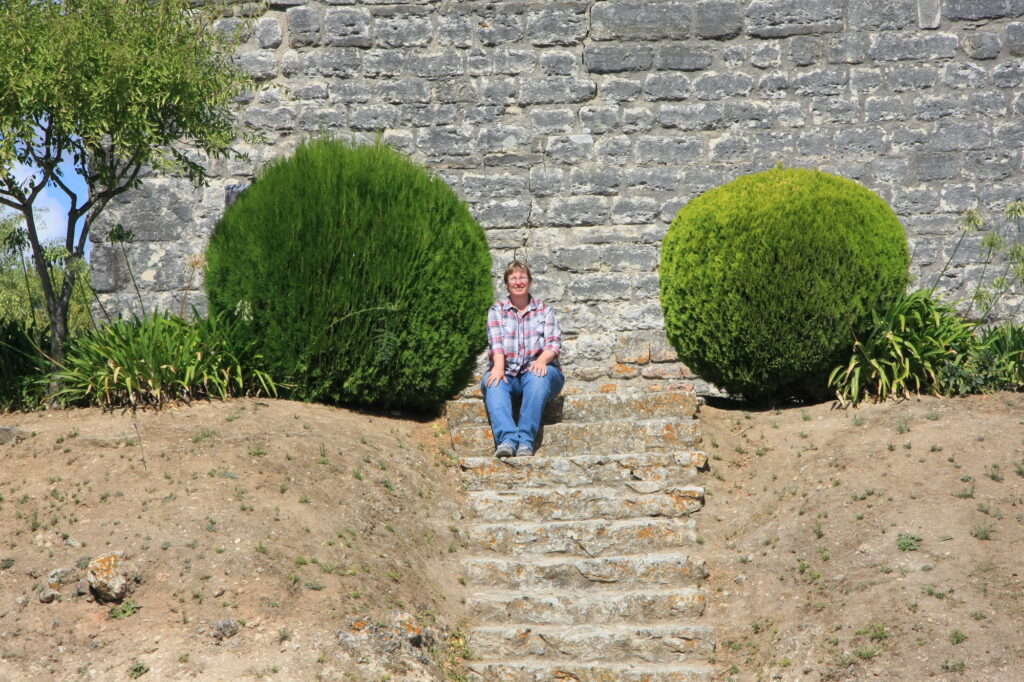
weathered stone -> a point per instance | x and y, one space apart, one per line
556 90
899 47
557 24
48 595
983 45
847 49
108 576
593 672
621 572
402 31
977 9
618 20
567 608
717 19
303 26
681 57
225 629
268 33
347 28
482 473
1014 40
717 86
882 15
10 434
602 58
804 50
782 18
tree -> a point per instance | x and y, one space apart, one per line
111 87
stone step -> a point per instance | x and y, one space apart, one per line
639 498
593 438
587 643
560 573
572 671
492 473
584 538
587 606
589 407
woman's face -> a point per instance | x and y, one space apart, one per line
518 283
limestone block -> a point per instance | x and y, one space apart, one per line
347 28
640 20
717 19
979 9
881 15
1014 39
671 150
898 47
402 30
553 121
716 86
268 32
985 45
783 18
605 58
497 29
557 24
847 49
681 57
667 86
303 26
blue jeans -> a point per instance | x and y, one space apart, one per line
534 391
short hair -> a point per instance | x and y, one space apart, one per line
517 266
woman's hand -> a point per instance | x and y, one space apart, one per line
497 372
539 368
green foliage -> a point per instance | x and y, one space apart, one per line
994 362
143 362
21 365
764 279
367 277
108 86
912 347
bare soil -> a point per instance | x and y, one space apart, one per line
878 542
881 542
329 536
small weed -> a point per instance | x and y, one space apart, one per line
761 625
857 420
316 587
935 447
966 493
983 531
123 610
284 634
137 670
994 473
932 416
953 666
865 653
890 446
818 532
876 632
805 416
978 615
202 435
1019 468
902 426
906 542
304 499
357 474
957 637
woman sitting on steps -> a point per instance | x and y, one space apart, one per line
524 341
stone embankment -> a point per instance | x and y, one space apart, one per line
582 563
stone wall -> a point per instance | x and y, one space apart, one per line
576 131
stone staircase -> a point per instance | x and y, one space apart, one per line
581 564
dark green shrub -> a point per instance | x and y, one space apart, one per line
918 345
22 366
765 281
149 361
366 277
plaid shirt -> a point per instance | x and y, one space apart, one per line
522 337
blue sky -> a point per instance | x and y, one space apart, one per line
52 204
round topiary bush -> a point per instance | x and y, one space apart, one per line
367 280
766 280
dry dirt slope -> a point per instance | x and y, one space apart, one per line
883 542
330 537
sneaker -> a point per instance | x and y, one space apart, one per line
524 450
504 450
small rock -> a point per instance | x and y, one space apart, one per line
82 588
71 542
108 576
218 592
47 596
61 576
740 579
9 434
225 629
